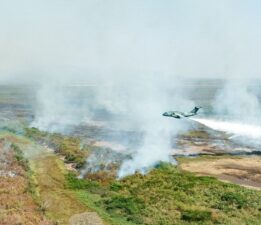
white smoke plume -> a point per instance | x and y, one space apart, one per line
237 112
237 100
231 127
147 112
58 107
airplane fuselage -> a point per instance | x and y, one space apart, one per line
179 115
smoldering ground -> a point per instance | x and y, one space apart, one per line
130 112
133 106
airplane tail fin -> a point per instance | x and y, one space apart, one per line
195 110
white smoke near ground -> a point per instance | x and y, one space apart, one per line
142 105
146 113
156 148
57 108
237 100
137 104
101 160
237 128
237 109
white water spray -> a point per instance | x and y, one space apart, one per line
235 128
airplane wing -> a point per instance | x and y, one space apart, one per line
180 114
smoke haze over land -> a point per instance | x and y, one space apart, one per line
135 56
79 40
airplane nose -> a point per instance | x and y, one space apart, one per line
164 114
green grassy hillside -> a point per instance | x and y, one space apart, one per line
169 196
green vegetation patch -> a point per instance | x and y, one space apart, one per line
196 215
74 183
69 147
128 205
19 156
234 200
167 195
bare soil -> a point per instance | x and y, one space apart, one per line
245 171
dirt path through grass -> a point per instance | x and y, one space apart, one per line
56 201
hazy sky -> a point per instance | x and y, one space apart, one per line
185 38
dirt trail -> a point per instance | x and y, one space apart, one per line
58 202
245 171
87 218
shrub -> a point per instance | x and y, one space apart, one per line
70 147
116 186
195 215
234 198
74 183
128 205
19 156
